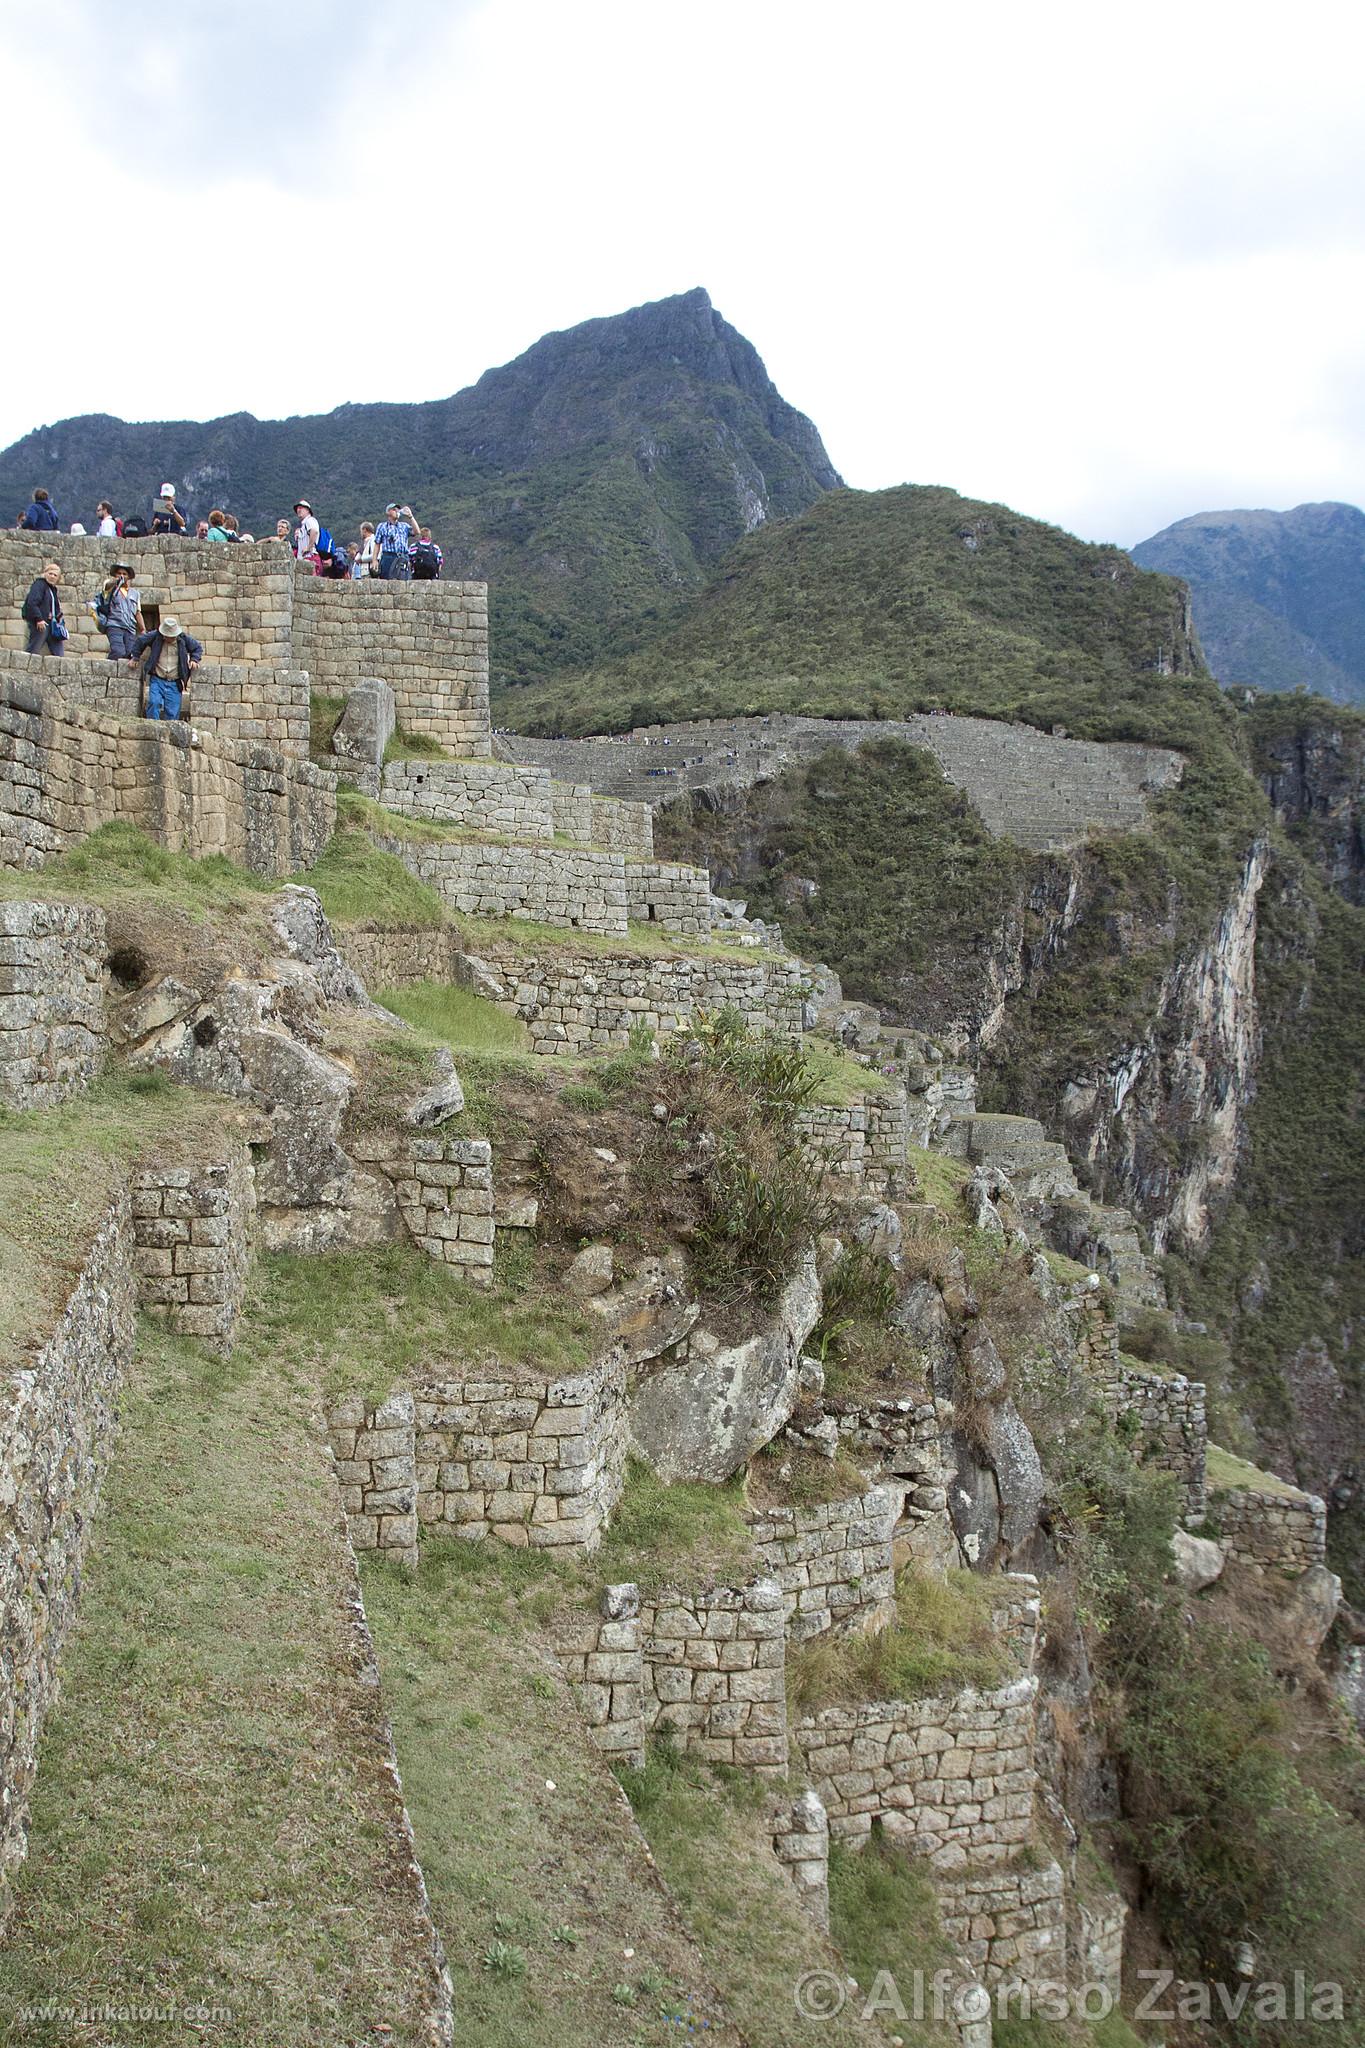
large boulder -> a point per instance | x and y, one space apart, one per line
710 1405
1199 1561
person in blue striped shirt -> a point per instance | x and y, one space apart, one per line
394 535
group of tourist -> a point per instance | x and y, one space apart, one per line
164 655
398 549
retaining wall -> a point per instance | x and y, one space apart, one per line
601 1657
1169 1419
229 700
952 1779
480 796
832 1562
376 1471
1009 1922
429 641
665 893
444 1190
65 770
192 1232
52 1015
393 958
581 1003
714 1666
863 1142
543 884
622 827
57 1414
534 1462
1285 1532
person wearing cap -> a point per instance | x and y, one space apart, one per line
306 538
124 612
166 515
394 536
43 613
167 658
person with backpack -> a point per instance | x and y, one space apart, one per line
394 536
118 612
427 559
334 559
217 526
41 516
42 610
167 516
166 658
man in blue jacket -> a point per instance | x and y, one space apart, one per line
41 516
167 658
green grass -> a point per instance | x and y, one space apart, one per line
368 1320
884 1916
1227 1474
323 713
359 884
840 1079
709 1834
639 941
211 1823
538 1884
118 863
59 1170
941 1178
941 1641
413 746
456 1017
681 1534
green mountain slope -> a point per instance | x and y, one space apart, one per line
879 602
1279 597
597 476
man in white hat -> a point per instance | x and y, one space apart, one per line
166 515
308 532
167 658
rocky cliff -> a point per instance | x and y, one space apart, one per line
1310 760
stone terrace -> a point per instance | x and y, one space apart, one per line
1043 791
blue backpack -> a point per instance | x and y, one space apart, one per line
324 546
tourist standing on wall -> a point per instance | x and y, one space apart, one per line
427 559
43 613
41 516
394 536
306 539
123 610
106 526
366 561
168 658
167 516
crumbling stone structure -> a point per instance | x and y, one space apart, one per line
376 1469
714 1668
52 1014
1168 1418
832 1561
1282 1530
1009 1921
444 1190
192 1237
600 1655
585 1003
57 1417
801 1846
864 1142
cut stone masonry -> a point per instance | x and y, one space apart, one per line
192 1233
52 1013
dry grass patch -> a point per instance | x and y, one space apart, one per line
942 1640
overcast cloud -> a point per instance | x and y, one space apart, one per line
1106 265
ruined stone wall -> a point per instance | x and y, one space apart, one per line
676 898
832 1561
537 1462
715 1673
864 1142
57 1416
229 700
52 1018
582 1003
572 810
65 770
237 600
553 885
1285 1532
1009 1921
377 1472
192 1237
478 796
444 1190
601 1657
429 641
801 1846
622 827
951 1779
1168 1420
393 958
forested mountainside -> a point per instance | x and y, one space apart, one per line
594 478
1279 597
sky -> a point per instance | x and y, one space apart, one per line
1105 265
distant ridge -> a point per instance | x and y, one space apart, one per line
1279 597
